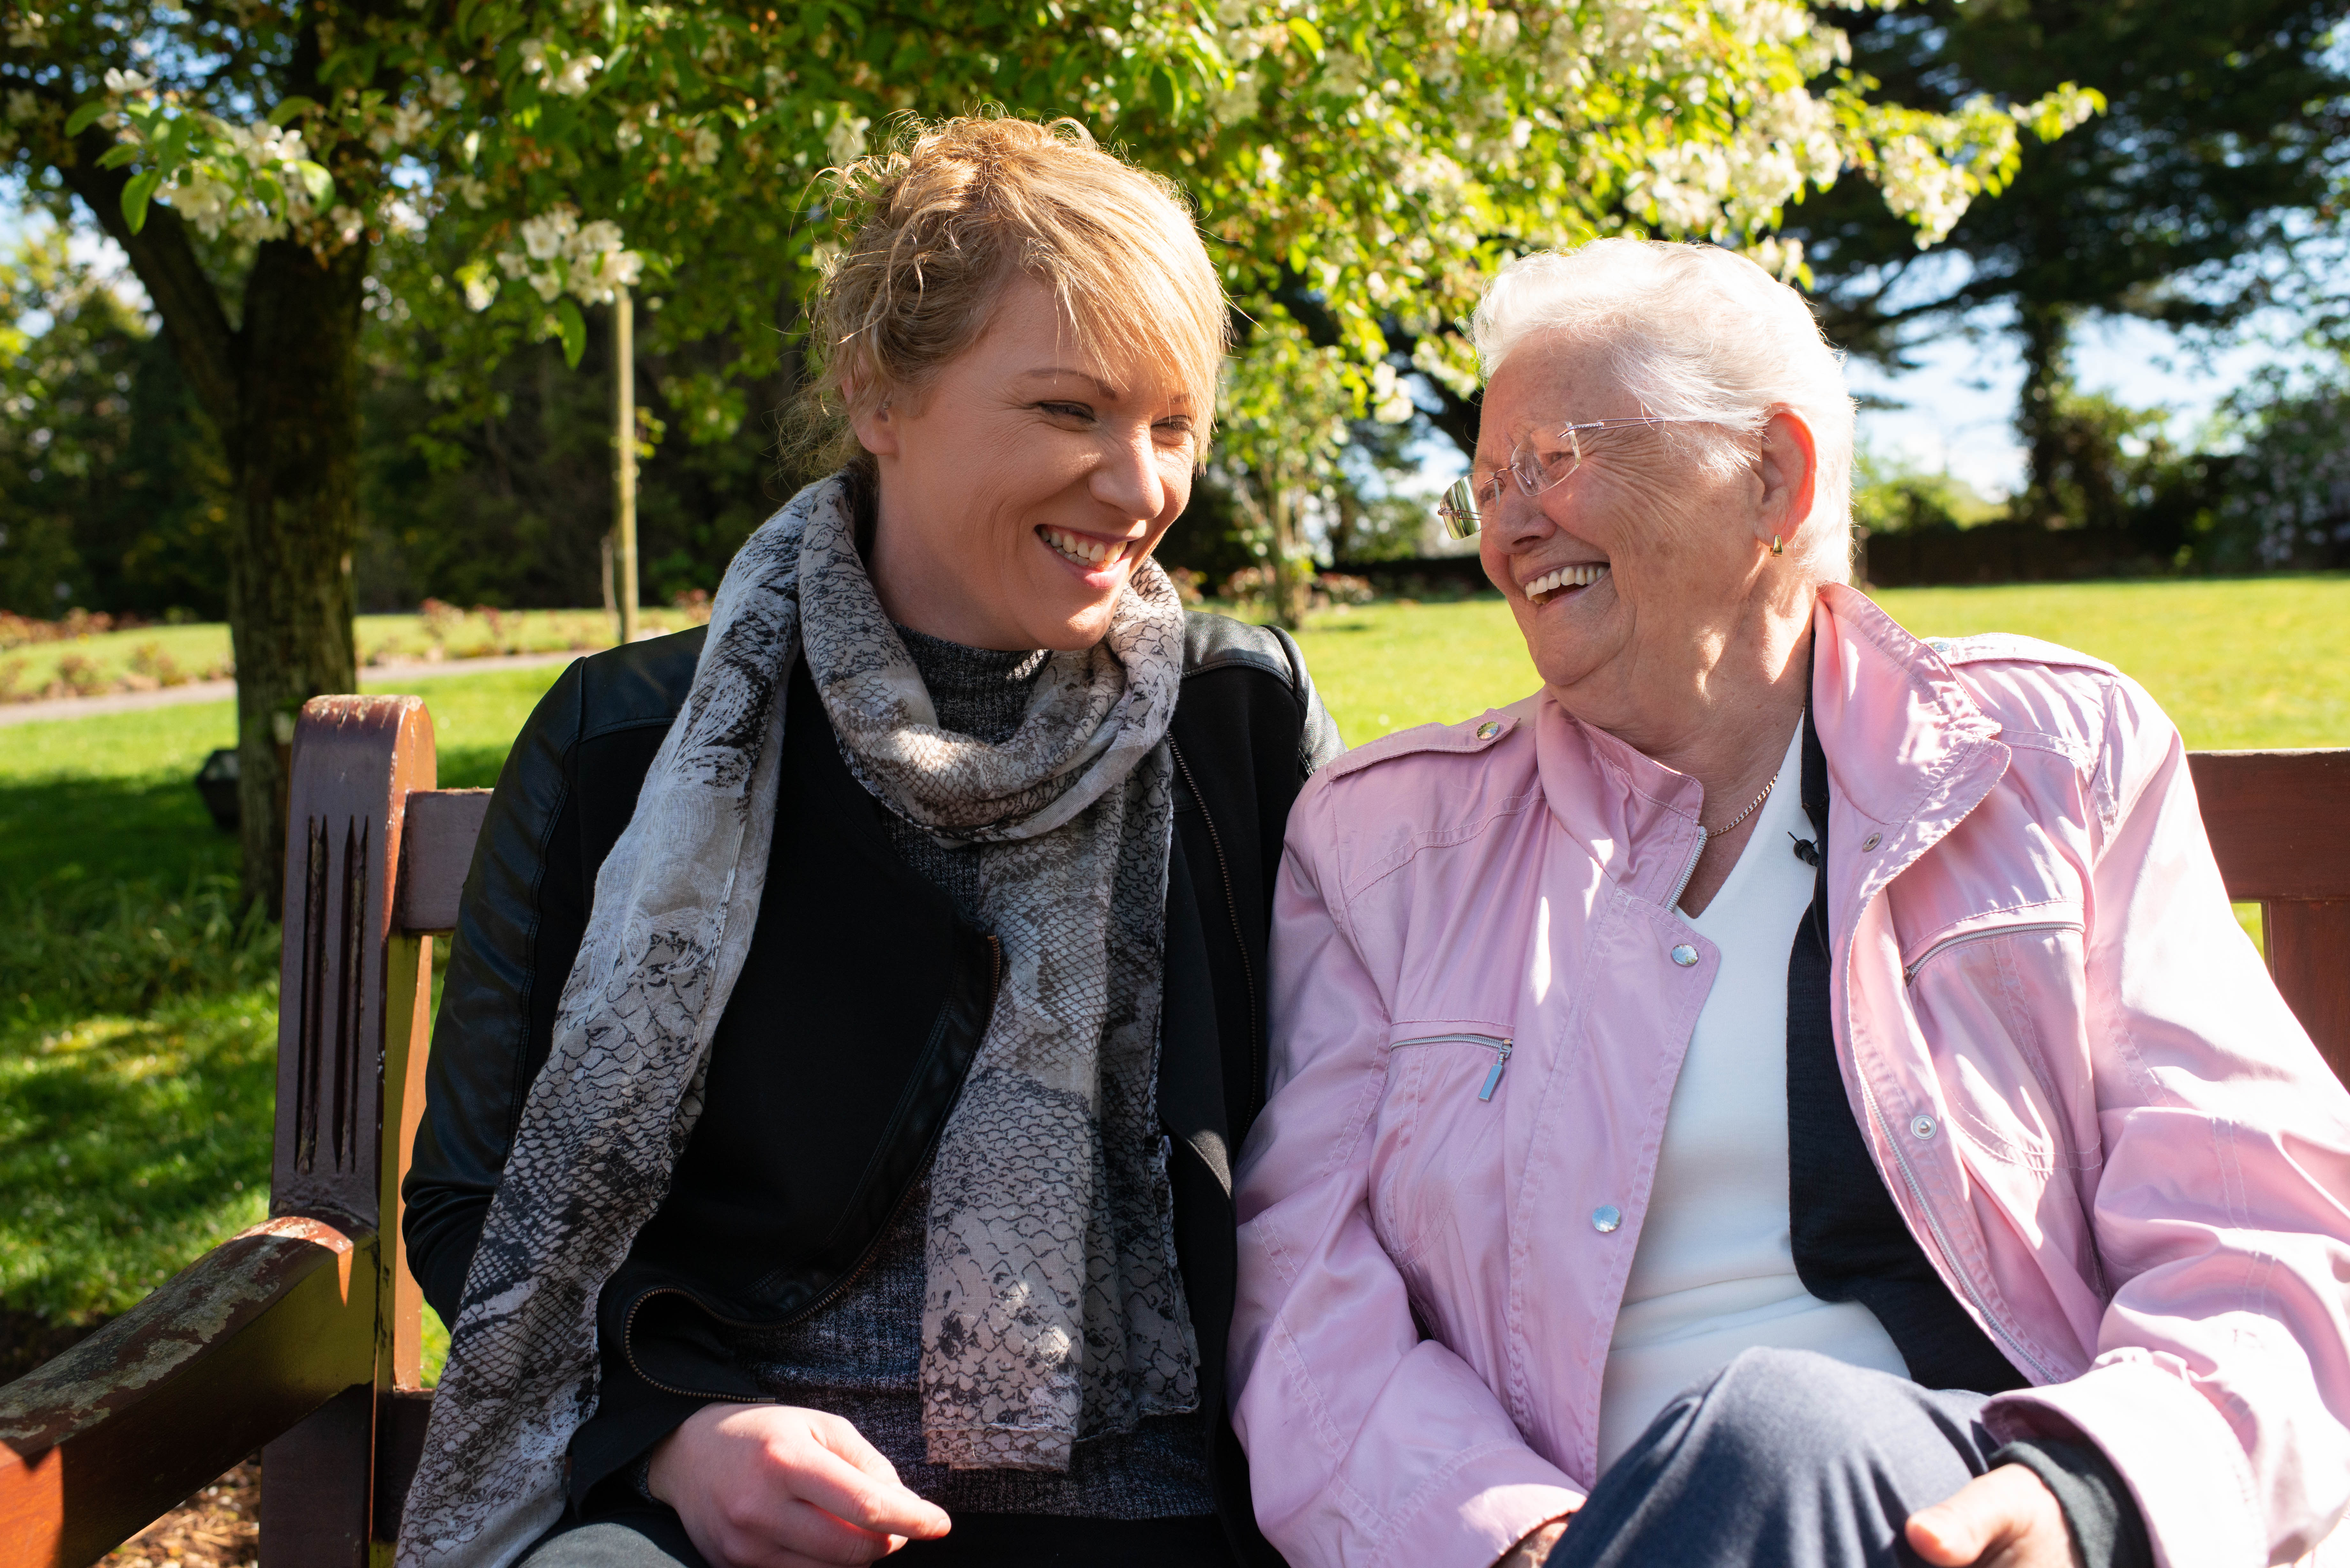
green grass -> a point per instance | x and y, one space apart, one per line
172 655
137 1006
137 1002
2258 663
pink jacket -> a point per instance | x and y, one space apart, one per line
2100 1120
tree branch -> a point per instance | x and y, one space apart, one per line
160 255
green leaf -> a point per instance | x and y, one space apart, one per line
83 118
574 328
135 196
289 108
1308 33
315 180
1166 92
116 156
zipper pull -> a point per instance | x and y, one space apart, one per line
1493 1079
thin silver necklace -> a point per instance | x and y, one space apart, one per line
1712 833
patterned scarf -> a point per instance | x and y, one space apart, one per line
1054 1309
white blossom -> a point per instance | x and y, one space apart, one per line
572 80
844 143
544 236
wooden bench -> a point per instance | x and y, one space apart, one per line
299 1336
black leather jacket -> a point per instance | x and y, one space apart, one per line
804 1149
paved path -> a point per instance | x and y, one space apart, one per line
223 690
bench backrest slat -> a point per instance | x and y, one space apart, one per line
435 855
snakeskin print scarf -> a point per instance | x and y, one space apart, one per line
1054 1309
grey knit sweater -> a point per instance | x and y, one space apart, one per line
861 1358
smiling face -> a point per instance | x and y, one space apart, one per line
1632 580
1021 486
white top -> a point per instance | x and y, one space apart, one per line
1715 1269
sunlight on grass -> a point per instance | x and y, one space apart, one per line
2255 663
130 1146
175 655
1387 667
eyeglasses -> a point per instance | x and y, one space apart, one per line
1536 464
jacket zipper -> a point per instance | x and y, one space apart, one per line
1232 909
839 1288
1687 871
1501 1045
1910 971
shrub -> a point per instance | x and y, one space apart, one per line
83 676
150 660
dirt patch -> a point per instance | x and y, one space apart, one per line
220 1527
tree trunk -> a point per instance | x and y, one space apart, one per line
1293 570
294 466
2039 415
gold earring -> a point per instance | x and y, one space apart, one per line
1776 547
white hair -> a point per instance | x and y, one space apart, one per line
1696 331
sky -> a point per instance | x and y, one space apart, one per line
1959 410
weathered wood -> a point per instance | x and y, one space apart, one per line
317 1486
245 1341
2279 822
2309 954
353 993
400 1419
436 853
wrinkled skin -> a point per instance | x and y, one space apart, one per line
1694 649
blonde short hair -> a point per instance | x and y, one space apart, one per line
943 221
1700 332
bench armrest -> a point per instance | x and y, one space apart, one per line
231 1352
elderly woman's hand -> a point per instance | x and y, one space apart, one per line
2006 1519
775 1486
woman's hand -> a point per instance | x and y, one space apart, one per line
1535 1549
2007 1519
775 1486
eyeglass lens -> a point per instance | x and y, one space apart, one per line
1541 463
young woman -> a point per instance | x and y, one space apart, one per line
852 1007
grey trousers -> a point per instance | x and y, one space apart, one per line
652 1537
1782 1459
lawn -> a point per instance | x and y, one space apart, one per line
152 655
137 1008
2264 662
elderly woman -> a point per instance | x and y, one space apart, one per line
852 1007
1786 1093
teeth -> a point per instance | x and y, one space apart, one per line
1080 549
1566 578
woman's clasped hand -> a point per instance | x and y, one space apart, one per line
774 1486
2005 1519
